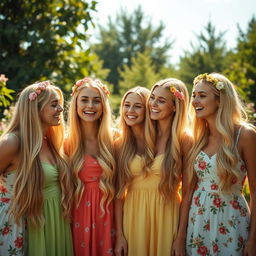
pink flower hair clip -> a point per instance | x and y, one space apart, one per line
78 84
40 87
177 93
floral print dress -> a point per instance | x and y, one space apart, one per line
218 222
12 237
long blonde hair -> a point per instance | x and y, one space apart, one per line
171 169
28 187
76 147
230 115
127 143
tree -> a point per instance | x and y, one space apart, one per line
140 73
242 62
44 39
124 37
207 56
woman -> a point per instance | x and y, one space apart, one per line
217 219
130 151
90 148
168 143
31 159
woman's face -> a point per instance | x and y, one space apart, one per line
205 102
50 114
133 109
89 104
161 104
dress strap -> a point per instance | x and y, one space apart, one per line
238 134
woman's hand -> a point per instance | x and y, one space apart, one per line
121 246
178 247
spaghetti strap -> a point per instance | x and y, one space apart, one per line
238 134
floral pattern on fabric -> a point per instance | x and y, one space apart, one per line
218 222
93 233
12 237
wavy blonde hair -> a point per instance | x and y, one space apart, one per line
76 148
230 115
127 143
171 169
28 196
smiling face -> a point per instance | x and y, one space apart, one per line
161 104
205 102
133 109
50 114
89 104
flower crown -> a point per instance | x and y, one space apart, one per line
85 81
40 87
178 94
210 79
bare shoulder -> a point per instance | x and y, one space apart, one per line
248 135
9 151
9 143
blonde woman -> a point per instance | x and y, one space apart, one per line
218 220
130 152
32 163
91 152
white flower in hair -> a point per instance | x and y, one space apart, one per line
220 86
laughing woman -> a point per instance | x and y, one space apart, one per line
33 167
167 145
90 148
130 176
218 220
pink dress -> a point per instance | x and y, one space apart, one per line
92 232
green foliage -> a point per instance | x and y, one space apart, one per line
45 39
124 37
206 57
140 73
5 93
242 63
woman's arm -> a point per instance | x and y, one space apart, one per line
248 148
178 248
9 150
121 244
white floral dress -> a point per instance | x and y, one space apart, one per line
218 222
12 237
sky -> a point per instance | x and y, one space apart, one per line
184 19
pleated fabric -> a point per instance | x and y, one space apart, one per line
54 237
149 222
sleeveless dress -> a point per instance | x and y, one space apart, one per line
13 238
149 223
92 232
218 222
54 237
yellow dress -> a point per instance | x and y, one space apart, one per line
149 223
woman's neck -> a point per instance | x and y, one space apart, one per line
164 127
90 130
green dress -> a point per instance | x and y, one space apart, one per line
54 237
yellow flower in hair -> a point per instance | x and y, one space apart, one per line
210 79
173 89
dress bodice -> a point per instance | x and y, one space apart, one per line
208 180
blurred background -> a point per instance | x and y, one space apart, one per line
125 43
